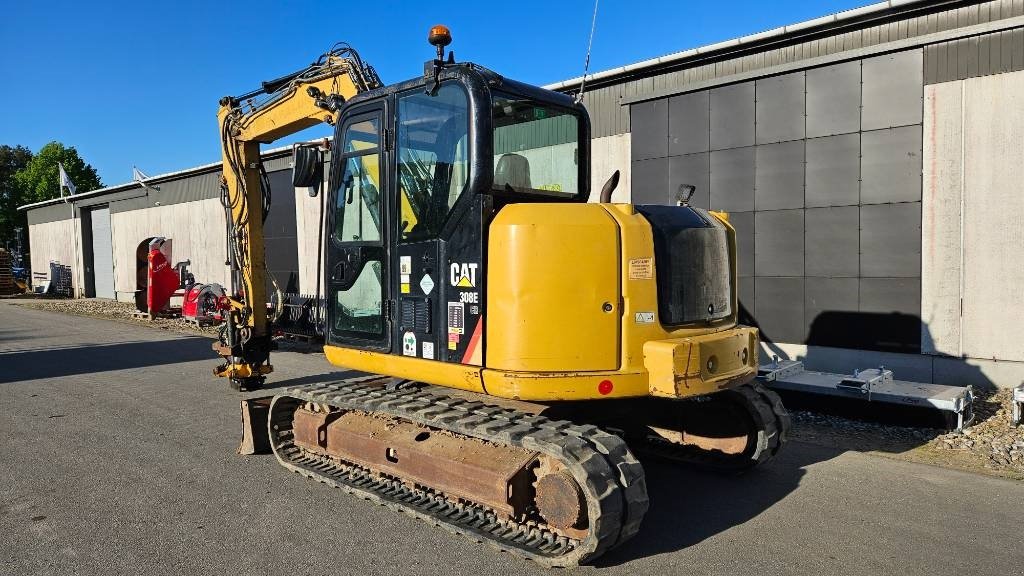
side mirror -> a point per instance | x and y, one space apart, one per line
307 167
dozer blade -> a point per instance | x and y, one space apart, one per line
254 426
730 431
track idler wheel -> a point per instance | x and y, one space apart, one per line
559 499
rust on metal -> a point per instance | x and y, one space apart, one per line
724 444
559 500
255 438
496 476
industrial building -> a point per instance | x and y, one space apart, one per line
869 161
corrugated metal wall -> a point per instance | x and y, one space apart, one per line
964 58
609 117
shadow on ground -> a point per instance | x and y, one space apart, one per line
41 363
690 506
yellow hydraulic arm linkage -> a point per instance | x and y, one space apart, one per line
279 108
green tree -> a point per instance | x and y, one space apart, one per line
40 179
12 159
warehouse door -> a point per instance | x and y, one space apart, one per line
102 265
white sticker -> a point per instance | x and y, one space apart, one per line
456 317
428 350
405 265
641 268
409 344
426 284
645 317
463 275
405 278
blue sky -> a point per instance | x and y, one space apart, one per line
138 82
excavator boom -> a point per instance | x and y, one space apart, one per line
279 108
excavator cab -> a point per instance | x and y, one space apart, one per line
418 171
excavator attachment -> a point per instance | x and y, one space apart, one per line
255 438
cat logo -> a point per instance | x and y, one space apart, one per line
463 275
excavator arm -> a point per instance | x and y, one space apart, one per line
279 108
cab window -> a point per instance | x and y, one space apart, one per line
433 158
536 147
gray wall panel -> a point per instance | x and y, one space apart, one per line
780 108
833 170
743 222
649 129
650 181
747 297
892 90
779 176
732 116
833 99
832 241
780 308
688 123
732 180
886 295
891 165
822 295
691 169
779 243
45 214
890 240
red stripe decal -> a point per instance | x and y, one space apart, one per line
470 356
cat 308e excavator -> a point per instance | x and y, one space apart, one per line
519 343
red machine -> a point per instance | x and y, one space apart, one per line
200 304
158 282
163 280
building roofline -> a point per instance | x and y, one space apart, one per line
159 178
837 20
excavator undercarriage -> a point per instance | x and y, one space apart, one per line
541 481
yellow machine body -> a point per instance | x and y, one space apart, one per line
572 314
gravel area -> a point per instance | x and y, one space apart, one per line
991 445
113 310
992 437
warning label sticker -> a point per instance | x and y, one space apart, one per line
409 344
428 350
645 317
456 318
641 268
453 341
405 265
426 284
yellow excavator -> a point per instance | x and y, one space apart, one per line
519 343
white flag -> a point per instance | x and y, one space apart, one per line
65 182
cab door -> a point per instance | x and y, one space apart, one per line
357 255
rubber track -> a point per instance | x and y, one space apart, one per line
611 477
764 406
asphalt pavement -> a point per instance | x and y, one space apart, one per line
117 456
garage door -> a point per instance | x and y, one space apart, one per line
102 253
